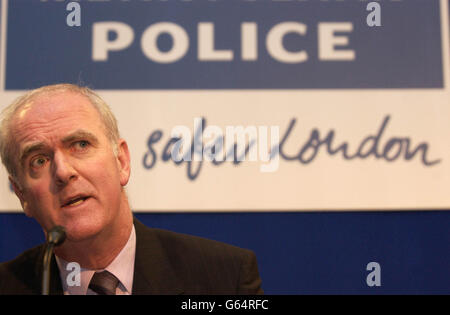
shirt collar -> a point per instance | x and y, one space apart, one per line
122 267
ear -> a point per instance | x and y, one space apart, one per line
18 190
123 160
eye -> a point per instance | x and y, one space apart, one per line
81 145
38 162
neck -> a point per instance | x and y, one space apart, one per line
100 250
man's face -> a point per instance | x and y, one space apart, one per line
67 171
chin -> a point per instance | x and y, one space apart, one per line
82 231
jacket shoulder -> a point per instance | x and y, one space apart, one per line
208 266
198 246
20 275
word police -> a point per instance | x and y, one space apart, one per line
333 43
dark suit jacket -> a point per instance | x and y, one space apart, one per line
165 263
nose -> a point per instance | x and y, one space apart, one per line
63 170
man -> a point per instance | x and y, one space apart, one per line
68 166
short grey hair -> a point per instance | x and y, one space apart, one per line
7 115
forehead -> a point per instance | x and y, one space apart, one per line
53 115
62 103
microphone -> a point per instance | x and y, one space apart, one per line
55 237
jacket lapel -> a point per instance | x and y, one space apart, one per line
152 271
55 279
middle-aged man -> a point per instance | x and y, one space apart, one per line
68 166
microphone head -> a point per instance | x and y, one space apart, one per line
56 236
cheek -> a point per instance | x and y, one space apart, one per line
37 194
39 204
106 177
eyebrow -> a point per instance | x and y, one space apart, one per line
29 149
76 135
80 134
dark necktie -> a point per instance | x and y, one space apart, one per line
104 283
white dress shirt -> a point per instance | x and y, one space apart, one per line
122 267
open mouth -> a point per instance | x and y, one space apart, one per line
75 201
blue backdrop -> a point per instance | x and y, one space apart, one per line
308 253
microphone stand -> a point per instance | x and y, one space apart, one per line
55 237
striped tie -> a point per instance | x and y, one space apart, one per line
104 283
